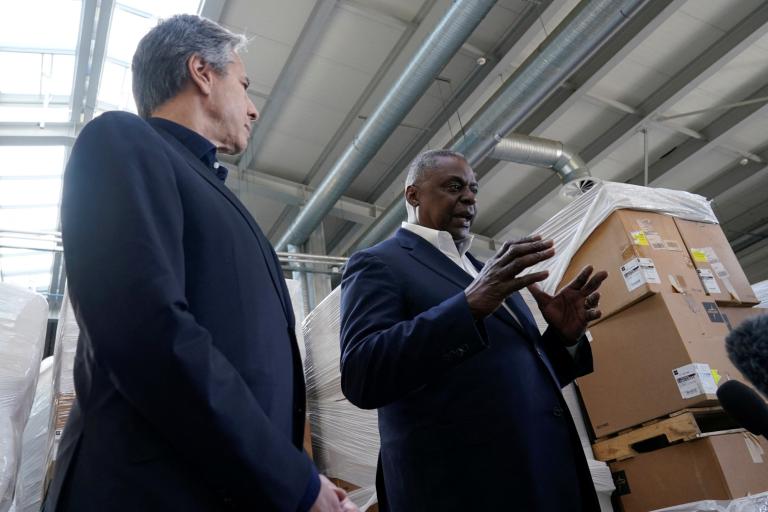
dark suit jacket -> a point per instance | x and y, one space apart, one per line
190 391
471 416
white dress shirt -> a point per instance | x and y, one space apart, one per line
457 253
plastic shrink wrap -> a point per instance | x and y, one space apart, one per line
63 380
761 290
571 226
29 484
755 503
345 439
23 320
601 474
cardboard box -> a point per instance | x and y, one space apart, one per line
720 467
719 270
734 315
643 254
663 354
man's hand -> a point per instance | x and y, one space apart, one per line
332 499
574 307
498 278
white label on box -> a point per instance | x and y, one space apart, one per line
694 379
639 271
649 271
720 270
633 275
708 280
655 240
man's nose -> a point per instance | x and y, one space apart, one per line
253 113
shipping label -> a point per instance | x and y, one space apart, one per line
638 238
694 379
639 271
708 280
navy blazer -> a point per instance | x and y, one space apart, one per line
471 416
190 391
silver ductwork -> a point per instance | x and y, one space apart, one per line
548 154
436 51
580 34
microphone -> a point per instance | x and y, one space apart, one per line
747 348
745 406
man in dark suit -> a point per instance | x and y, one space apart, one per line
471 416
190 390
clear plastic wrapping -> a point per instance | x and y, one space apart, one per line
572 225
63 398
29 484
761 290
754 503
23 320
345 439
601 474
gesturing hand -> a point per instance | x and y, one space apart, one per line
574 307
499 277
332 499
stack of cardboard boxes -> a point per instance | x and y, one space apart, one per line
674 291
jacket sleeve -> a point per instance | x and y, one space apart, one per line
122 224
385 354
568 365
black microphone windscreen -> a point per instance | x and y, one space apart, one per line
745 406
747 347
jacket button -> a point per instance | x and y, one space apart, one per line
557 411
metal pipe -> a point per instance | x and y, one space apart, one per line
581 33
436 51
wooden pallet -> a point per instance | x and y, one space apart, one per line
680 426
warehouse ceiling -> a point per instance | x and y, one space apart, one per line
688 80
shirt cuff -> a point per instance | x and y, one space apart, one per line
310 494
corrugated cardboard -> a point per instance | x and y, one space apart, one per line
720 467
636 351
722 276
615 246
733 316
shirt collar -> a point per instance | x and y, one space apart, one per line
442 240
198 145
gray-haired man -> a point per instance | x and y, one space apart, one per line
190 390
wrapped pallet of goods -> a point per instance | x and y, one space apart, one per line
674 291
345 439
29 484
64 350
23 320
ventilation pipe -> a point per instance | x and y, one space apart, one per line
549 154
576 38
436 51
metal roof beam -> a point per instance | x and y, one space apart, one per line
748 30
302 52
106 8
712 59
259 184
714 133
731 176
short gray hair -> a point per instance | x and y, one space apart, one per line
419 167
160 62
426 161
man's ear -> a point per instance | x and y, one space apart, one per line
412 195
201 73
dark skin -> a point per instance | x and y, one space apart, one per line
446 200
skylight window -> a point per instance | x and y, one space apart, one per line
131 20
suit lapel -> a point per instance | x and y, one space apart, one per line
436 261
267 252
